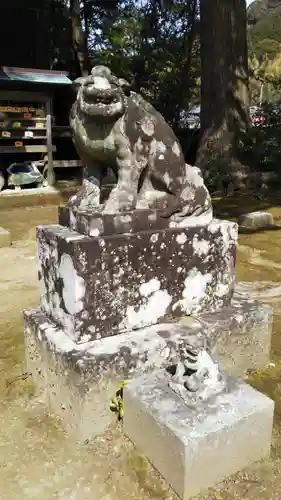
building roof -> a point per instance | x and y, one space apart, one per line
27 75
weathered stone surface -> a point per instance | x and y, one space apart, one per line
116 128
255 220
269 179
195 449
94 287
80 379
5 237
97 224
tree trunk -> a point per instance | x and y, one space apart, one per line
78 38
261 94
224 86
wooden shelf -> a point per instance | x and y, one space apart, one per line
67 164
38 148
16 116
3 129
19 137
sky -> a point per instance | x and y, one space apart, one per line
249 1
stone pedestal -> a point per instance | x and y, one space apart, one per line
195 449
111 299
98 286
80 379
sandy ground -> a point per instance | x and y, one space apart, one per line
37 460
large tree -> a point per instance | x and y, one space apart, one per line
224 85
35 34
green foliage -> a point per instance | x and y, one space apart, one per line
157 50
35 34
261 146
216 174
117 403
266 48
259 8
268 27
264 42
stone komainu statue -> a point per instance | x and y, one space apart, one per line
116 128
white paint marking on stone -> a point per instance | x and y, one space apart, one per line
154 238
200 247
125 218
160 146
181 239
74 237
101 83
222 289
167 179
85 338
149 287
195 285
176 149
151 312
147 127
72 220
73 285
57 338
200 220
95 232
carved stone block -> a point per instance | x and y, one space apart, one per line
195 449
97 224
80 379
99 286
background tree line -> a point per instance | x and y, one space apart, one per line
171 51
264 36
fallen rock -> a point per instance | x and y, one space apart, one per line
255 220
5 238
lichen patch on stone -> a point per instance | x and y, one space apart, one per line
181 238
149 313
73 286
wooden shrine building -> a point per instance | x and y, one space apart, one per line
34 107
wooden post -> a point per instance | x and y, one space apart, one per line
50 174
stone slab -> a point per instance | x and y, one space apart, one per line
5 238
196 449
97 224
98 286
254 221
9 198
80 379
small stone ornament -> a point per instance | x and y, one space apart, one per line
197 377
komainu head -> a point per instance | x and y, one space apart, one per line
101 95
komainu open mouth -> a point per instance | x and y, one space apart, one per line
101 102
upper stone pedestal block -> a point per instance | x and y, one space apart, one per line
97 224
99 286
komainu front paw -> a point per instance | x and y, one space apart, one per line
87 198
120 201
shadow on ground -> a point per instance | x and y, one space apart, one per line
231 207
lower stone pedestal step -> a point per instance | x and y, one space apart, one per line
195 449
80 379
